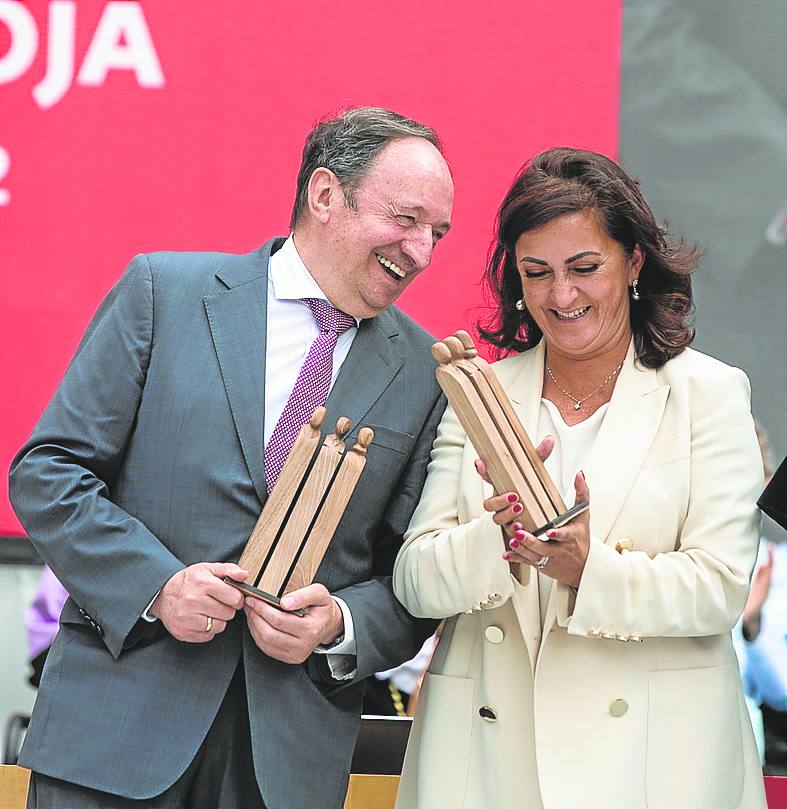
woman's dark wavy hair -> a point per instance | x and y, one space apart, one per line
565 181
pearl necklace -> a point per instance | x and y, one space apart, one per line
579 402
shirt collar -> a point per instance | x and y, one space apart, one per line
290 278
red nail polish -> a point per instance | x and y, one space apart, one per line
551 534
512 498
520 535
516 508
508 556
513 543
517 526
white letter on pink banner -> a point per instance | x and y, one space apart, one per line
24 40
60 54
121 22
5 164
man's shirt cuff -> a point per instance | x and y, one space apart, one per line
150 618
341 655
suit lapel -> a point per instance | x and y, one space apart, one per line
624 438
237 318
372 363
626 434
524 389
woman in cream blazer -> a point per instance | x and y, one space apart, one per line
623 693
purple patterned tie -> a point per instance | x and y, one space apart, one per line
311 387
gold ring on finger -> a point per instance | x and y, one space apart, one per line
209 624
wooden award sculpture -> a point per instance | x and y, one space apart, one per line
488 418
302 511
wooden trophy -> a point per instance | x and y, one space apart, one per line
302 511
488 418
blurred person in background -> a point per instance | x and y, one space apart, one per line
607 678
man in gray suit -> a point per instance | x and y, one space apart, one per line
146 473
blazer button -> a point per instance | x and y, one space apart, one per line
618 708
487 714
494 634
624 545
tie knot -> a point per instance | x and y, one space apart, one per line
328 317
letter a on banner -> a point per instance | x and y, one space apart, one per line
122 42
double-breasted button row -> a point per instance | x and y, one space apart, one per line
492 600
487 714
494 634
599 633
624 545
618 708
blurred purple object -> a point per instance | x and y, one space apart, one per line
43 615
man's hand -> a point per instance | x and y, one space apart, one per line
195 604
292 638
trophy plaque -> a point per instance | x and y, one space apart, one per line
304 508
487 416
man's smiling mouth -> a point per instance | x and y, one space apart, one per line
393 269
573 314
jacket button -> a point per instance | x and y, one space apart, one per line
618 708
487 714
625 544
494 634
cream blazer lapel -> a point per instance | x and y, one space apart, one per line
524 388
624 438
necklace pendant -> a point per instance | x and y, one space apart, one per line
577 405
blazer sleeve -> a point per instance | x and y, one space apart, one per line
445 566
60 481
700 588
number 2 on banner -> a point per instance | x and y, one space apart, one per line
5 164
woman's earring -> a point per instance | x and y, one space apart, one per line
635 296
520 305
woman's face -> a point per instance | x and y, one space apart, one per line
575 280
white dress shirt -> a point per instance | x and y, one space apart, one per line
291 329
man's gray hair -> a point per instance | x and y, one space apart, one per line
348 143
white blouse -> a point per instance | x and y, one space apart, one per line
572 449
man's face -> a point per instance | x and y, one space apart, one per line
403 206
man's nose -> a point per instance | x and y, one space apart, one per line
418 247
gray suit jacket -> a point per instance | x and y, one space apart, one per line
149 458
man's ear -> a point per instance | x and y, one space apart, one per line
324 193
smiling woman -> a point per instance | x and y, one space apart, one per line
618 628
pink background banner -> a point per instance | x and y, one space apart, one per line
128 127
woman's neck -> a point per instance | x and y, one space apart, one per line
579 385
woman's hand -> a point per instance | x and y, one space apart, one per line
566 549
506 508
